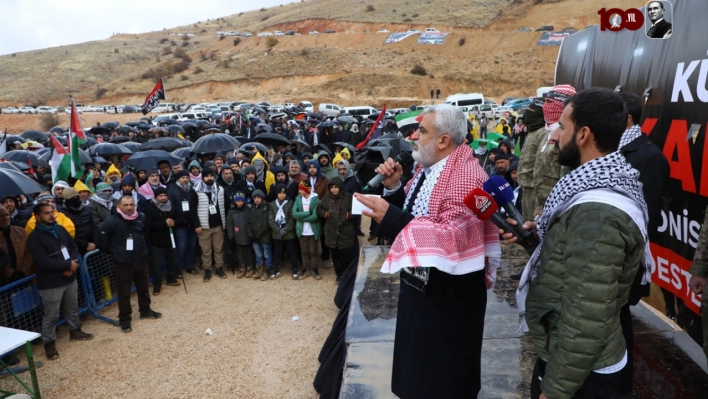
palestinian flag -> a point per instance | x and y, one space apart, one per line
76 138
152 99
61 161
408 123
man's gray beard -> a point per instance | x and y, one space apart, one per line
424 156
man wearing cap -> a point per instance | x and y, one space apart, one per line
185 236
57 260
547 170
84 191
57 192
80 215
250 184
208 213
501 164
60 217
166 174
160 222
101 203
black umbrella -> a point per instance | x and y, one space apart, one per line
266 127
314 115
132 146
99 130
168 122
84 157
189 125
57 129
183 153
273 139
12 166
62 140
243 139
258 110
301 145
255 120
126 129
148 159
11 140
258 146
42 151
109 149
146 118
347 119
348 146
90 141
201 122
325 124
323 147
111 125
119 139
175 129
144 126
131 124
14 183
24 156
34 135
164 143
214 143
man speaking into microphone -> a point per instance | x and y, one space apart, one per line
441 250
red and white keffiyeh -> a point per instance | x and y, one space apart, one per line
450 238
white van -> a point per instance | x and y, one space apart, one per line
465 100
307 106
359 111
330 109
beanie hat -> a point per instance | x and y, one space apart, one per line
207 172
44 197
501 155
152 171
239 196
70 192
553 107
159 190
102 186
181 173
280 188
305 186
258 193
249 169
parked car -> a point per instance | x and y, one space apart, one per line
261 34
330 109
289 33
516 104
506 100
10 110
545 28
383 31
27 110
313 32
131 109
431 30
499 111
329 31
278 33
307 106
67 110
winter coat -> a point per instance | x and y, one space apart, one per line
159 231
321 186
21 218
338 229
86 230
114 233
248 190
99 213
48 258
302 216
177 196
288 227
237 225
258 223
199 209
18 236
62 219
589 258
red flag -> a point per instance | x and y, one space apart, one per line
152 99
76 123
31 169
378 127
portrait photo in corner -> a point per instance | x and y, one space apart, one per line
659 15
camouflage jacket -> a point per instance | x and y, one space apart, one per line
527 162
546 172
699 268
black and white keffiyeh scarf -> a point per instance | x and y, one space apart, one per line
608 179
630 135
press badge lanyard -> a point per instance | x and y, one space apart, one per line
129 243
212 204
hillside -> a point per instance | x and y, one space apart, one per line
351 66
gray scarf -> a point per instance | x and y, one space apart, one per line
166 207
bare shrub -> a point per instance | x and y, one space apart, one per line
237 41
164 40
180 66
185 38
48 121
167 50
179 53
419 70
370 8
271 42
100 92
198 70
183 78
222 37
462 41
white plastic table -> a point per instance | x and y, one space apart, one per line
11 339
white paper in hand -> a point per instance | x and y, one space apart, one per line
358 207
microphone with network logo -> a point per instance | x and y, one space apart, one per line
404 158
485 208
501 191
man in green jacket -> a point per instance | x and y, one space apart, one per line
699 273
592 239
307 228
340 235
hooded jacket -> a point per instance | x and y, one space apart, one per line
229 187
336 211
113 169
139 199
320 185
249 189
258 222
197 178
328 171
62 219
262 172
351 183
288 227
237 226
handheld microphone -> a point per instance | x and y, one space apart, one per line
501 191
403 158
485 208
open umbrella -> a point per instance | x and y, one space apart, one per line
99 130
175 129
347 119
14 183
183 153
119 139
325 124
84 157
109 149
255 120
164 143
273 139
111 125
34 135
11 166
301 145
314 115
126 129
62 140
259 146
266 127
348 146
148 159
258 110
131 124
132 146
189 125
168 122
214 143
322 147
144 126
57 129
201 122
89 142
11 140
42 151
24 156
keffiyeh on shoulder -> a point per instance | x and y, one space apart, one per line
449 238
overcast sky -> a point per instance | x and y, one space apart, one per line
35 24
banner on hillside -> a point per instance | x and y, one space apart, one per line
552 38
669 75
152 99
432 38
396 37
